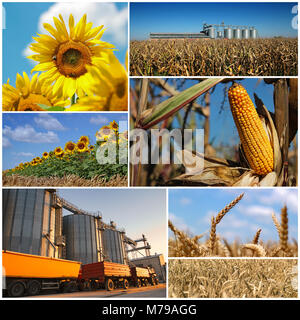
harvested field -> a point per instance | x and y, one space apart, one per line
235 278
67 181
259 57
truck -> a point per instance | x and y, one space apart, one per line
104 274
141 276
29 274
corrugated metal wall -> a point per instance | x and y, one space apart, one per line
80 233
27 215
113 245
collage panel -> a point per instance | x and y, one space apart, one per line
213 39
65 150
82 243
233 222
225 132
67 57
233 279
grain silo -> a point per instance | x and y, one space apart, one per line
31 224
228 33
237 34
245 33
90 240
253 33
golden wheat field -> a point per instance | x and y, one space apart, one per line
184 245
67 181
256 57
234 278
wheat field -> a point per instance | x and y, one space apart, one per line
67 181
184 245
232 278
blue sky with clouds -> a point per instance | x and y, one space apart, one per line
270 19
28 135
23 20
138 211
192 209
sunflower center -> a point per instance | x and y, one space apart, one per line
30 103
72 58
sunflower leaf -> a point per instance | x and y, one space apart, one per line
49 108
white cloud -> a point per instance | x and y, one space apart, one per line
28 134
45 121
99 119
282 196
180 224
185 201
107 14
24 154
5 142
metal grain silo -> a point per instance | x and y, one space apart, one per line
245 33
220 34
228 33
211 32
237 34
82 238
30 221
253 33
113 245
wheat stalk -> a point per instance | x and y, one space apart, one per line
222 213
258 249
256 237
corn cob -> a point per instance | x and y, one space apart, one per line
254 139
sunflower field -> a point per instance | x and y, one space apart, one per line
104 160
75 71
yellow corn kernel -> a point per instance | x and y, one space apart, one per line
254 139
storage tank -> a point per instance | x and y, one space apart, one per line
220 34
237 33
211 32
228 33
82 238
245 33
113 245
31 224
253 33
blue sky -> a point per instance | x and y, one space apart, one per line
28 135
24 20
138 211
192 209
270 19
222 125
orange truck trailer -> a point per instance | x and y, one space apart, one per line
29 274
104 274
143 276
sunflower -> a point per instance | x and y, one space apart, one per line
70 147
114 125
28 94
104 133
60 155
45 155
91 148
109 89
65 56
58 151
85 139
81 146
